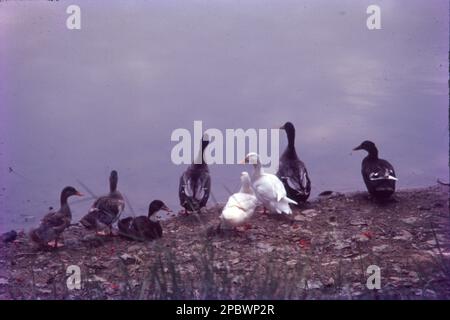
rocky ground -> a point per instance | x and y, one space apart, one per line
322 251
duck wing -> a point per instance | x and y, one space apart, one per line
378 170
295 175
108 209
52 225
56 220
194 188
145 229
269 188
243 201
124 226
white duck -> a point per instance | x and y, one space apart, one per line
268 188
240 206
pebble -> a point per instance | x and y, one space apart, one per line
404 235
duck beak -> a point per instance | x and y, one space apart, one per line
79 194
166 208
244 161
392 178
282 127
357 148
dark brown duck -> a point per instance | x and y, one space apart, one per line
143 228
55 222
378 174
292 171
107 209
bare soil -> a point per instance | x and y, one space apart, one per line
322 251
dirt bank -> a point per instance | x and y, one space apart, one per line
320 252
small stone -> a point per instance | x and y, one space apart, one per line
8 236
99 279
291 263
358 222
128 259
133 248
404 235
330 282
45 291
299 218
409 220
265 246
340 245
3 281
361 238
314 284
381 248
310 213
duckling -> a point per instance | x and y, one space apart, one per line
195 183
292 171
55 222
106 210
143 227
378 174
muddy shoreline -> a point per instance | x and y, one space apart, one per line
322 251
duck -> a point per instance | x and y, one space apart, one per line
195 183
240 206
268 188
105 210
54 223
378 174
143 228
292 171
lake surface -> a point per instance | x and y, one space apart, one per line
75 104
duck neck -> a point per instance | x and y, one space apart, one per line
291 143
152 215
63 200
112 185
246 188
64 204
200 158
373 153
258 169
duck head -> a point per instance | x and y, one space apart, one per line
155 206
368 146
251 158
68 192
288 127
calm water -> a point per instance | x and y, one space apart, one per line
76 104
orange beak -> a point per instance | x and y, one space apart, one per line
79 194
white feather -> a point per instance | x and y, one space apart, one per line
269 189
240 206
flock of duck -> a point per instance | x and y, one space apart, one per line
291 185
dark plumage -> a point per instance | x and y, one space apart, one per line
378 174
54 223
292 171
9 236
195 183
144 227
106 209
